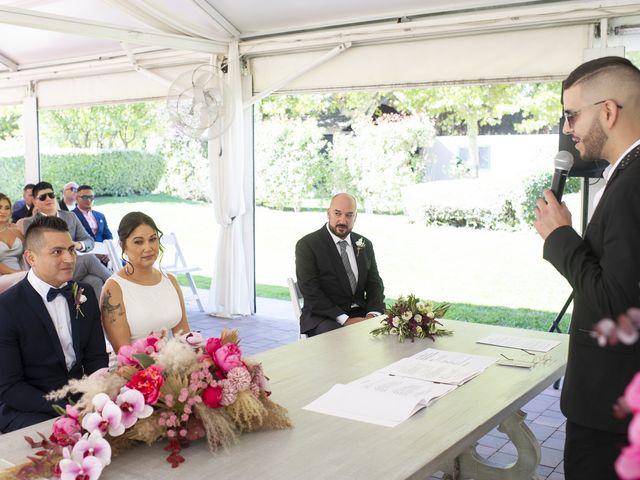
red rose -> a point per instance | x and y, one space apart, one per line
148 383
211 397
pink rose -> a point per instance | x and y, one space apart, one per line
228 357
148 383
125 356
65 431
211 397
212 345
632 393
628 463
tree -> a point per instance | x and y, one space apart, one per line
9 124
105 126
477 105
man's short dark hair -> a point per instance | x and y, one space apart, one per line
40 225
39 187
85 187
593 67
28 186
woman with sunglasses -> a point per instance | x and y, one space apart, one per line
140 299
11 247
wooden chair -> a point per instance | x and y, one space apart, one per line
296 298
179 264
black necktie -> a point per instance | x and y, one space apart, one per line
65 291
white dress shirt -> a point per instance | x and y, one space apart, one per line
608 173
58 309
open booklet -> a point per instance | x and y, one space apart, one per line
379 398
391 395
440 366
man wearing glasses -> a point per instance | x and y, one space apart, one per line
88 268
602 111
69 193
93 222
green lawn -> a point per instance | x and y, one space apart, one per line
503 316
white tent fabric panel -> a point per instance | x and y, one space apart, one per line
530 54
106 88
12 95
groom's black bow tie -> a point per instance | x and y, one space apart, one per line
65 291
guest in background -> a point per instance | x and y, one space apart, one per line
88 268
24 208
140 299
69 192
11 247
47 334
93 222
602 111
337 272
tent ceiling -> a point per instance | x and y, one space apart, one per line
53 40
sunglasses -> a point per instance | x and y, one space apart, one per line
87 197
43 196
73 189
570 116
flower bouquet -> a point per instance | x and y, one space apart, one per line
179 389
413 318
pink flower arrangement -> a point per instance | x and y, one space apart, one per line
161 388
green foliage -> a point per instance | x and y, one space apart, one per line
125 125
381 158
291 163
533 190
12 177
9 125
477 218
110 173
187 174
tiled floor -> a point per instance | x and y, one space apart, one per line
274 326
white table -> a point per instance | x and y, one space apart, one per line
441 436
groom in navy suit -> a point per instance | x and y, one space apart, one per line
337 272
50 328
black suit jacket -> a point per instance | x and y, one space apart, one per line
32 362
323 280
604 271
22 212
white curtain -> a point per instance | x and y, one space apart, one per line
229 294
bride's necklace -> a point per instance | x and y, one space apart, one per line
4 227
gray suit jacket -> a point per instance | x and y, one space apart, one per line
76 230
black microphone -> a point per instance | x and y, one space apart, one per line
562 163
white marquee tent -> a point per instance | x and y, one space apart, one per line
58 53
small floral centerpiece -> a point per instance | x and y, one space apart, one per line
411 317
178 389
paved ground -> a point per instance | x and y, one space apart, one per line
273 326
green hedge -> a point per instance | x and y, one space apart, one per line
117 173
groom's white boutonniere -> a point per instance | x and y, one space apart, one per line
360 244
78 298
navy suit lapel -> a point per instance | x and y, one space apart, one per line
36 305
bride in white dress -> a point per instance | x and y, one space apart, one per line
140 299
11 247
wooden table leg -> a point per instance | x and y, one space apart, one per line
470 465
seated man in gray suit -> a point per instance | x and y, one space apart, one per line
337 272
88 267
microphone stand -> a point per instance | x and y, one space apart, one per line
555 326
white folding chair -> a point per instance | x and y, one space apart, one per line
113 251
296 297
179 264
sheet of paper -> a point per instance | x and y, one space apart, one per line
379 399
358 403
522 343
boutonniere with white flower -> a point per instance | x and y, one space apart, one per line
78 298
360 244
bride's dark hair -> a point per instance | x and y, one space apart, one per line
129 223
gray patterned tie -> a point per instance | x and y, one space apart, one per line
347 265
